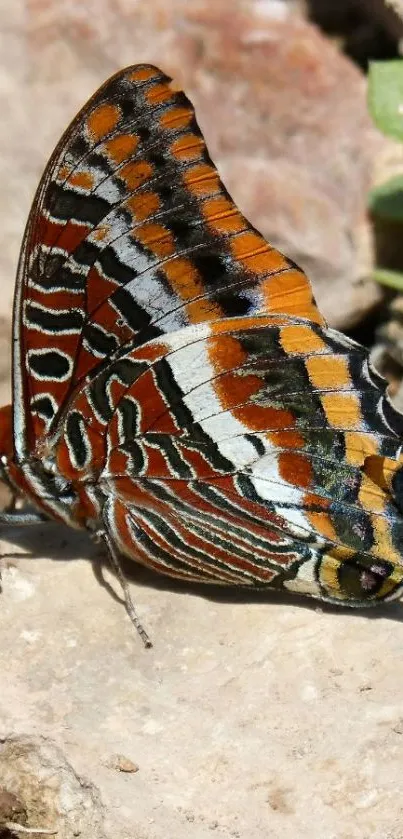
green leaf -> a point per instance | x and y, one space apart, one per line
386 200
391 279
385 96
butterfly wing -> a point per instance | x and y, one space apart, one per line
174 368
251 451
131 235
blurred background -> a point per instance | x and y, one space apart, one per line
280 93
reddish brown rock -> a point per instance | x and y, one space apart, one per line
283 112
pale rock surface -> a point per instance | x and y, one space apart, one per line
255 717
250 718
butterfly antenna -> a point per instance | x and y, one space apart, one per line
131 611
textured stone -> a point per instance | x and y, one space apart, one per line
42 791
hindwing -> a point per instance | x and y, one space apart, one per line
248 450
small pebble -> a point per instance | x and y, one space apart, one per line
122 764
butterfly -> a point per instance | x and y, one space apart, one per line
176 390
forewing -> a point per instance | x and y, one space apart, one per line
131 235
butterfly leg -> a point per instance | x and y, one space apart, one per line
13 827
17 519
13 518
131 611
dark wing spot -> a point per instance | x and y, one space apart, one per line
49 365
